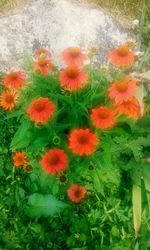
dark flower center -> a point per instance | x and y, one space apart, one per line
42 62
103 114
20 159
123 50
9 99
13 76
62 178
122 86
91 167
72 72
39 106
83 139
77 193
74 52
53 159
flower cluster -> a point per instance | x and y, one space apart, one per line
12 83
73 77
80 141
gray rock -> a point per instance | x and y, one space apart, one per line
56 24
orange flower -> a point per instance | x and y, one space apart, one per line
42 53
73 56
14 79
122 56
41 110
19 159
54 161
76 193
73 78
82 142
8 100
103 117
130 108
123 90
43 65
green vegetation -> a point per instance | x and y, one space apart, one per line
129 8
104 221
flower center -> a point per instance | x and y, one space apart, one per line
121 86
9 99
74 52
20 159
42 62
39 106
123 50
103 114
41 51
72 72
53 159
83 139
13 76
62 178
77 193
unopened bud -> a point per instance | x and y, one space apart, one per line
104 69
135 24
131 43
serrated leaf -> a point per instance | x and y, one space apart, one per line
40 205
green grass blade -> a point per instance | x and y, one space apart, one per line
137 208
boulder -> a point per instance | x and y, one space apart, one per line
56 25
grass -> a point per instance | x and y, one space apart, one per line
9 5
124 8
6 3
130 8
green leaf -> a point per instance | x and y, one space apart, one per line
44 205
140 170
40 139
98 182
17 114
137 208
23 135
145 205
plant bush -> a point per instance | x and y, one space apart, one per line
79 144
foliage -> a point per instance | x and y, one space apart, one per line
35 211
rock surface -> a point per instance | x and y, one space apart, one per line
56 25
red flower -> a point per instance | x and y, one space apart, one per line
73 78
76 193
19 159
122 56
43 65
130 108
42 53
41 110
14 79
8 100
54 161
74 56
82 142
123 90
103 117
